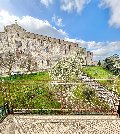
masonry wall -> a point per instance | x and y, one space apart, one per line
45 50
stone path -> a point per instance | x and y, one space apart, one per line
35 124
102 92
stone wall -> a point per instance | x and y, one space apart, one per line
45 50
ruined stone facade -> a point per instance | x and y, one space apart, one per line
43 49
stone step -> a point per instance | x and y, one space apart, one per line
101 90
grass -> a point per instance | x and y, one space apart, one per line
32 76
1 101
29 91
35 96
98 72
89 99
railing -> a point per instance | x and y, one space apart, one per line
63 112
4 111
38 97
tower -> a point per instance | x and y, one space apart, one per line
15 22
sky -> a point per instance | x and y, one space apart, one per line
93 24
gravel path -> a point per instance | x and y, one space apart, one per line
82 124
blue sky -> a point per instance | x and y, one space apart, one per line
94 24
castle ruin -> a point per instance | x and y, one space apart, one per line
43 49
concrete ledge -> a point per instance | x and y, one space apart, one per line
61 117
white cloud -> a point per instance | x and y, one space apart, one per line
58 21
107 49
73 5
31 24
46 2
114 7
6 18
100 50
90 45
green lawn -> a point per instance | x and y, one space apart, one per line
37 95
32 90
98 72
32 76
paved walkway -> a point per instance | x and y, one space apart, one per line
73 124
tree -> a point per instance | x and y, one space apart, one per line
111 63
8 61
28 62
88 94
69 69
99 63
1 63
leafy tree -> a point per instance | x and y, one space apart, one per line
99 63
88 94
112 63
28 62
8 61
1 62
69 69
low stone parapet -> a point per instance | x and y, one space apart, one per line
35 124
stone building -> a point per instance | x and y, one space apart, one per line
43 50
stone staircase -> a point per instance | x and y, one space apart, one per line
109 96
